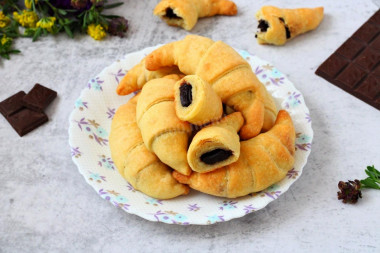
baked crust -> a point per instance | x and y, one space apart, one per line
285 24
264 160
141 168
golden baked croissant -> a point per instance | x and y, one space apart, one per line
139 75
196 101
162 131
227 72
185 13
141 168
276 26
216 145
264 160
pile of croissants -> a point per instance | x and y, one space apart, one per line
201 120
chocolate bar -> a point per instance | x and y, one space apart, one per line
12 104
39 97
355 65
26 120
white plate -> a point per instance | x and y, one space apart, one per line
90 124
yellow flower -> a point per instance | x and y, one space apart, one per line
26 18
5 40
28 3
97 32
4 20
46 23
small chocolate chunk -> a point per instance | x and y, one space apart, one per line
170 14
12 104
263 25
26 120
355 65
215 156
186 94
39 98
287 31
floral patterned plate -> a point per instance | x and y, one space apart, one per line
90 124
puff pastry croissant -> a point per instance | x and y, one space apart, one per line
264 160
277 26
196 101
139 75
141 168
227 72
185 13
162 131
216 145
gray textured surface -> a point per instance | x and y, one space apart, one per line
46 205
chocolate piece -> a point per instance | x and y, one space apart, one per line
287 31
170 14
263 25
12 104
215 156
26 120
186 94
355 65
39 98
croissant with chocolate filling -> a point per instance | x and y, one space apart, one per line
277 26
162 131
216 145
196 101
185 13
141 168
230 76
264 160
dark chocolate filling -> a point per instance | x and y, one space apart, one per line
185 94
287 31
170 14
215 156
263 25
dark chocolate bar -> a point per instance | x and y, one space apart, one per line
355 65
39 98
12 104
26 120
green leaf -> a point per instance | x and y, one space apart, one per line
110 6
37 34
68 31
369 183
14 51
62 12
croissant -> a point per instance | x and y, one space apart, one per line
185 13
162 131
139 75
264 160
216 145
227 72
196 101
141 168
277 26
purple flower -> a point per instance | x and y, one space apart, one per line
118 27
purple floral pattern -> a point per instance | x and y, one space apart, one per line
111 113
75 152
96 177
119 74
293 100
106 162
89 149
94 130
171 217
95 84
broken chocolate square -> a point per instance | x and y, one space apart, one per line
39 98
12 104
26 120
